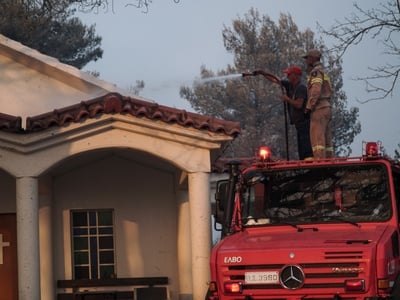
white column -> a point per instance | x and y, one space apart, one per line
28 239
47 288
184 247
200 210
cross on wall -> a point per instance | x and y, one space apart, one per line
2 245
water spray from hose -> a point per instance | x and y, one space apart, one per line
267 75
217 78
225 77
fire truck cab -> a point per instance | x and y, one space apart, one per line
308 230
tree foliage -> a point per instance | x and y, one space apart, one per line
137 87
257 42
49 27
108 5
397 152
381 22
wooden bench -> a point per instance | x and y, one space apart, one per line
146 287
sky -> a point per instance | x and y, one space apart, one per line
166 47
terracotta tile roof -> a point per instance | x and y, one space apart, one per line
116 104
10 123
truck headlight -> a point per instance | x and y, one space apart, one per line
233 287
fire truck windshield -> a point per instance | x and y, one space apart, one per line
341 193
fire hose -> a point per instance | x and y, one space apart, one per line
274 79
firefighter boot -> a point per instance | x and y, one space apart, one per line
319 154
329 153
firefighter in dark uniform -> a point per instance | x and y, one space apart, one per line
319 106
296 97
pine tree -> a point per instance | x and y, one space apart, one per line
256 42
50 28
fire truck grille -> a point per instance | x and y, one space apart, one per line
331 255
329 274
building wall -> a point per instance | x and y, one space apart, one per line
32 83
159 232
145 212
144 199
27 88
86 168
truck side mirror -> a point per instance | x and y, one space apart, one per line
221 199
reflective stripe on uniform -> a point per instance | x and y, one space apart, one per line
318 147
329 149
316 80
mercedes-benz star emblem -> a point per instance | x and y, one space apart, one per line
291 277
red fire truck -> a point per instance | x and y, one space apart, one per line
308 230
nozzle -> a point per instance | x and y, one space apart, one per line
247 74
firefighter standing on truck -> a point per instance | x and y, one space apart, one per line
296 97
319 106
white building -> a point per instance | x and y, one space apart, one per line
99 186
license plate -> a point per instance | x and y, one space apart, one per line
262 277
